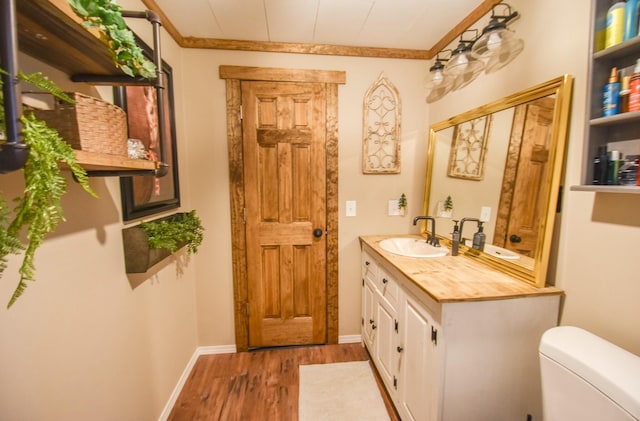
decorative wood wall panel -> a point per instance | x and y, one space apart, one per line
381 128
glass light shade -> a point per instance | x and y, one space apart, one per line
498 46
438 84
462 63
474 68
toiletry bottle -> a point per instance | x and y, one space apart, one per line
628 172
455 239
613 165
614 32
624 94
600 167
634 89
630 19
479 238
611 95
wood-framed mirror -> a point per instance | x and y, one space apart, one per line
502 162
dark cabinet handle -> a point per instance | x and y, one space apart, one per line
370 321
514 238
317 233
400 349
385 280
373 327
367 263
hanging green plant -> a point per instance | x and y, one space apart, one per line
39 210
171 234
106 15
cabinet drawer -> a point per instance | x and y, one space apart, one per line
369 268
388 287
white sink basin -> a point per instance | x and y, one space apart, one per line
412 247
500 252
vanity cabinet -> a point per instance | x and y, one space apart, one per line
599 130
452 359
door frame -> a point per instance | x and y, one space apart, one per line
233 76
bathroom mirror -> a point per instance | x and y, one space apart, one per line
502 163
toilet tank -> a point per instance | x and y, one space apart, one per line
587 378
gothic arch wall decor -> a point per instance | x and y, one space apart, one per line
381 128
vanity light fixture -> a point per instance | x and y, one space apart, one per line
463 66
438 83
492 50
498 45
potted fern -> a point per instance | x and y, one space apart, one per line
151 241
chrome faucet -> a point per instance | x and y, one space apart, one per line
431 239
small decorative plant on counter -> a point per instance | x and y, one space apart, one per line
175 232
402 202
39 210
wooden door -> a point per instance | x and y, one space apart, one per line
533 127
285 202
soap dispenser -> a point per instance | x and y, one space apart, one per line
455 239
479 238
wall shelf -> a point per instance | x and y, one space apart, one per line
607 189
599 130
50 31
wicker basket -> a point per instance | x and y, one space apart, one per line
90 124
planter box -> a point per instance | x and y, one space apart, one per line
138 257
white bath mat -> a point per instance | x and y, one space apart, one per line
340 391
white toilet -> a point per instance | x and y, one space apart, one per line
586 378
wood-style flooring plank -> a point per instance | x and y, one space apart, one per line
257 385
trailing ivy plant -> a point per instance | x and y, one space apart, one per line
174 232
106 15
38 211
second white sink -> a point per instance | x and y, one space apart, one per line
412 247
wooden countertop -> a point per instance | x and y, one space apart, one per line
455 278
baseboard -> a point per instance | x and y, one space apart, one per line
349 339
202 350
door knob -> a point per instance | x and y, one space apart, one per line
317 233
514 238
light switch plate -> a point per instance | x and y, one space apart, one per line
393 208
350 208
485 213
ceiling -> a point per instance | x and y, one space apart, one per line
387 24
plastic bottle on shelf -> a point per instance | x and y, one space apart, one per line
611 95
630 19
624 94
634 88
614 33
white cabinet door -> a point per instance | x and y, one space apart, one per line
419 375
368 316
386 343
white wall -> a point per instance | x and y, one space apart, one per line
82 343
204 94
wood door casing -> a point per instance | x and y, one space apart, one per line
234 76
285 201
525 188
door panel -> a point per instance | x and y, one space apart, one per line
285 200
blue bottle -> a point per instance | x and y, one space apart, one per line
630 19
611 95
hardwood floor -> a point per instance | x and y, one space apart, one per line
257 385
